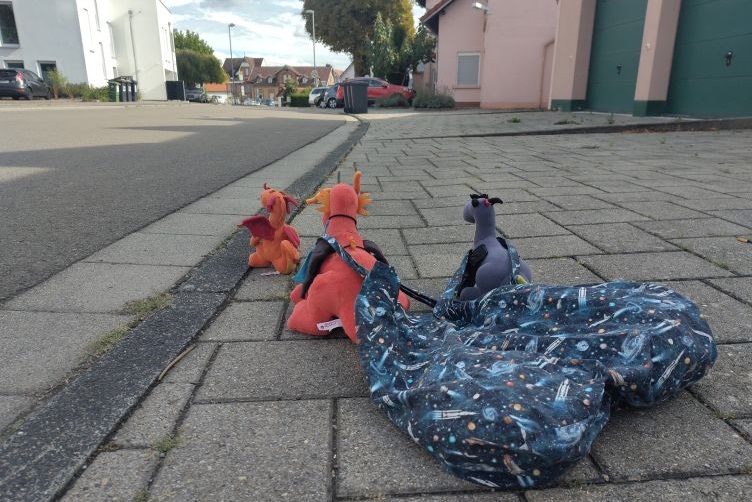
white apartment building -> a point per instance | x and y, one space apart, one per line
91 41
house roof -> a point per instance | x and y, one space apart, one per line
215 87
431 18
237 62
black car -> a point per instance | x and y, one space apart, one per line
330 97
20 83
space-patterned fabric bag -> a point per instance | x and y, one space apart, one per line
512 389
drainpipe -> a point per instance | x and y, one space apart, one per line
133 46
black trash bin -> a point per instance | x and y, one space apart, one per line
355 96
114 90
134 90
175 90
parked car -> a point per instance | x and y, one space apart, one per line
378 89
269 102
330 98
197 95
316 95
21 83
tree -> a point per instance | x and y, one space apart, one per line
196 61
196 68
393 53
191 41
347 25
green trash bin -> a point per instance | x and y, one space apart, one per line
114 90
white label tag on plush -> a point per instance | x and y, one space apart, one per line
329 325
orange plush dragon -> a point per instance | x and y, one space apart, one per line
276 243
326 297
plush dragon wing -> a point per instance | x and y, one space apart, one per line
316 259
259 226
291 235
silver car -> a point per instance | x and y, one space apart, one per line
317 93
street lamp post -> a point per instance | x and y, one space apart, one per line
313 26
232 66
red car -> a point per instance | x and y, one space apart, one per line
377 89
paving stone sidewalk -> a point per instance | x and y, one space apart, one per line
257 413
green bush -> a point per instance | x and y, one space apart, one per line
396 100
299 100
58 82
89 93
426 99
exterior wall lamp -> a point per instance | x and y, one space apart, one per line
480 6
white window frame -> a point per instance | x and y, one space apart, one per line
96 14
113 54
477 80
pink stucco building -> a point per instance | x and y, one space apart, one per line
495 53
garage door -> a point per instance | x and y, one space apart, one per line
615 55
711 73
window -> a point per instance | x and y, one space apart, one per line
468 69
88 35
104 61
45 67
8 31
112 41
269 80
96 14
16 65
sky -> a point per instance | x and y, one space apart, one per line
270 29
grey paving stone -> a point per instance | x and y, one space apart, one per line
308 222
539 206
376 459
456 201
388 239
195 224
114 476
438 260
561 271
618 186
691 192
370 222
570 190
444 216
652 266
740 287
190 368
715 488
678 438
739 216
618 198
155 418
579 202
98 287
246 321
725 252
745 426
158 249
11 407
400 186
449 190
441 234
553 247
258 286
284 370
390 207
728 386
403 264
60 342
620 238
460 497
681 229
592 216
660 210
715 204
528 225
268 451
730 320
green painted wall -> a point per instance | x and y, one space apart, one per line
701 83
617 37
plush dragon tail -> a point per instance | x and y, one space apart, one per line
288 261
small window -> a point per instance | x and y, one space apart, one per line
270 80
305 80
16 65
8 31
468 69
112 41
45 67
96 14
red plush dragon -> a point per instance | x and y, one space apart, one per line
326 297
276 243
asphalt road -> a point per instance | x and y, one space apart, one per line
74 179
